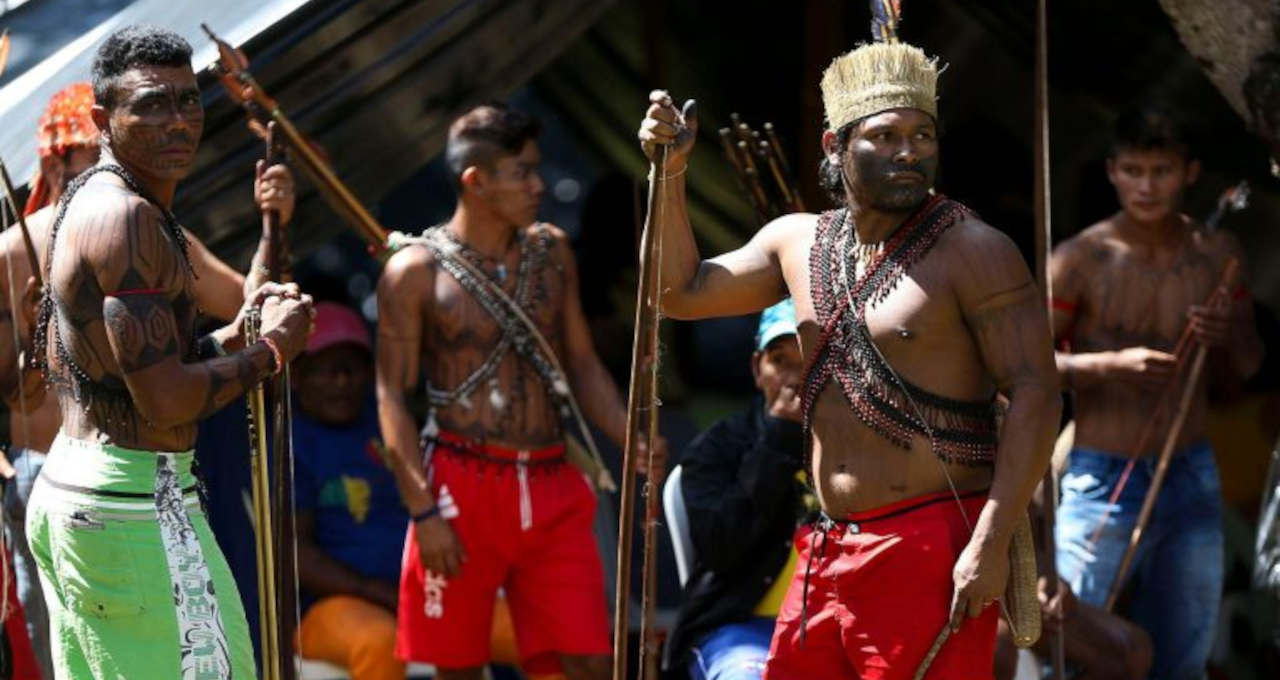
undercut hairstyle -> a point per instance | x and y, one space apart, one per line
484 135
130 47
1153 128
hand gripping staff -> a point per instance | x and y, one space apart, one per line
272 482
642 436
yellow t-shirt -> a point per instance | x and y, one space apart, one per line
771 603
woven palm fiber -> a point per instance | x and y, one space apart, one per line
1225 36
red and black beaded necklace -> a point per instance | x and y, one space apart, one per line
962 431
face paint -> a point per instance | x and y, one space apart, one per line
156 124
892 161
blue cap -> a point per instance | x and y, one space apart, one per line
775 322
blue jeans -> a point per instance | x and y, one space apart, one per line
17 491
733 652
1178 570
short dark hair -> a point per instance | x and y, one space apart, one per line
485 134
134 46
1152 128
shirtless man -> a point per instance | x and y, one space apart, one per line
1124 290
67 144
495 504
949 302
135 584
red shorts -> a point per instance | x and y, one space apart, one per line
525 527
879 593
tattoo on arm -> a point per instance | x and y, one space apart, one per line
208 347
230 377
1011 331
141 327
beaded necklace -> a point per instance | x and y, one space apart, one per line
107 394
964 431
534 257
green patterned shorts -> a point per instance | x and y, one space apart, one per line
135 583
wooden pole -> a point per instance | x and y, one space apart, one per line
1044 242
642 433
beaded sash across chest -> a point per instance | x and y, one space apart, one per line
535 257
962 431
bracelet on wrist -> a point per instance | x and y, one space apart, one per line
673 175
276 356
425 514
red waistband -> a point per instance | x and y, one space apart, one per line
466 444
910 505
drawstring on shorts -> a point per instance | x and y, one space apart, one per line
822 525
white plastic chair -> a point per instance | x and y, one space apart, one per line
678 523
319 670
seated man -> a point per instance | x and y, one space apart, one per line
744 500
351 524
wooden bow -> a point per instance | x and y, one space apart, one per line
642 435
1187 345
276 546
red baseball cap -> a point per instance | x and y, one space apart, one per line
336 324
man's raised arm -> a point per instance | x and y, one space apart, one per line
742 281
137 267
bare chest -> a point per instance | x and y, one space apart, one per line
1135 300
917 322
459 318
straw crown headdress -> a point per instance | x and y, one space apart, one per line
878 77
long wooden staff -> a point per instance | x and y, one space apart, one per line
1170 444
264 545
283 525
1044 241
642 435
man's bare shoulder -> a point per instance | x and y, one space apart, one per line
559 238
793 230
982 261
38 224
974 240
1088 246
408 272
546 229
109 222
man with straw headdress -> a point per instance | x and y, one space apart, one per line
913 316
